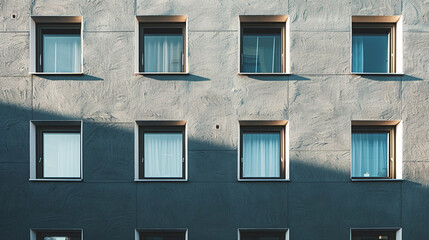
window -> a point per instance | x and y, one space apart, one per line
263 234
162 151
263 44
58 45
262 150
162 45
58 235
375 45
57 150
158 235
373 152
374 234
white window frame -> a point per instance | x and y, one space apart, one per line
397 20
34 20
398 148
137 145
34 231
263 123
397 229
33 144
163 19
283 19
161 230
287 230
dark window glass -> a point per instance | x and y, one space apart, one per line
262 235
162 47
59 235
162 235
373 235
261 49
58 48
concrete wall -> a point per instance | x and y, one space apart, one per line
319 100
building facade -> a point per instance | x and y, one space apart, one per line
314 91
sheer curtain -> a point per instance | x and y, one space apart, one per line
261 54
357 53
61 154
370 154
163 53
163 154
61 52
261 155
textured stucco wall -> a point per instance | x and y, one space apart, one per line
319 100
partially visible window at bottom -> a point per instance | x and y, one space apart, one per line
162 235
59 235
374 235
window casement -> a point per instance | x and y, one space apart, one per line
57 235
162 45
262 151
55 150
162 151
373 152
162 235
56 45
373 234
376 45
263 45
262 234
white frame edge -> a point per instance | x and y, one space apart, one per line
33 152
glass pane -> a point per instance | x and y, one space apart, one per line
370 154
163 155
371 53
56 238
61 155
381 237
261 155
261 52
163 52
61 53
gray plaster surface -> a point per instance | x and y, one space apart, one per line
319 100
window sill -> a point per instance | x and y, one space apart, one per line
162 73
376 180
264 74
55 180
263 180
377 74
160 180
56 73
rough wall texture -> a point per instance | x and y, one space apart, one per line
319 100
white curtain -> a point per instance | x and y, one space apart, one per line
163 53
357 53
61 155
261 155
370 154
56 238
163 155
61 53
261 54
